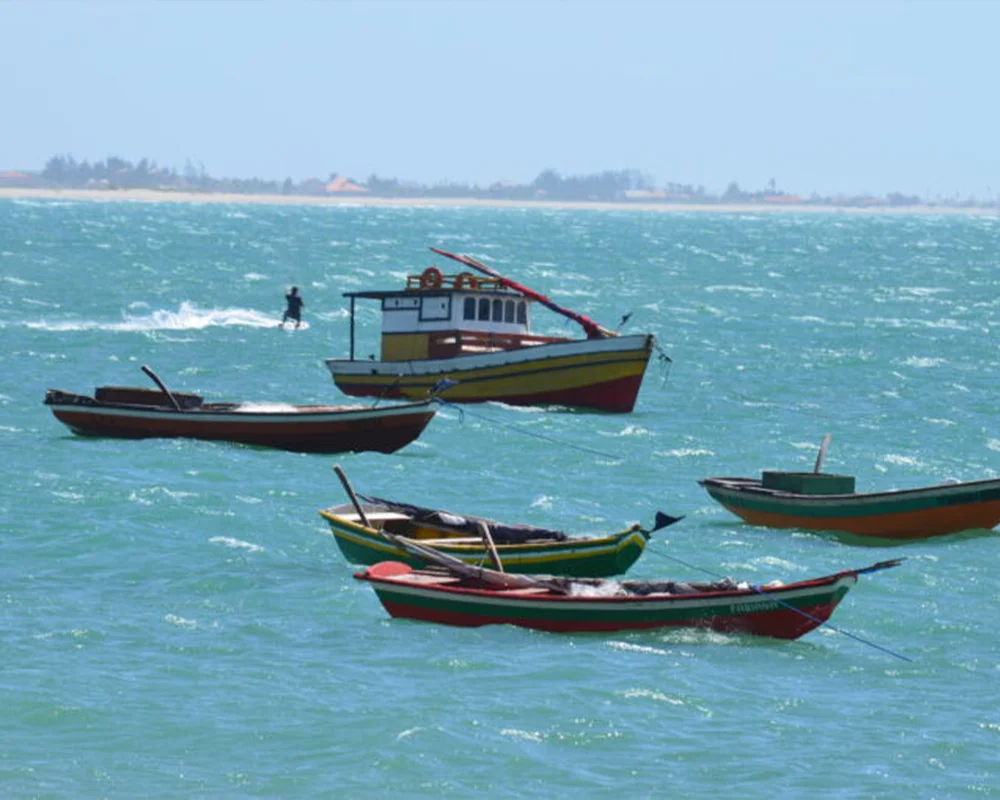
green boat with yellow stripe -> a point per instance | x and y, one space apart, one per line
520 548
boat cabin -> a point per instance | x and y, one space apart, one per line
443 316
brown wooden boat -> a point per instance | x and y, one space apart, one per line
137 413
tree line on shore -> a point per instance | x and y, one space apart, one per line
627 185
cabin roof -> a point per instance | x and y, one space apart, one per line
380 294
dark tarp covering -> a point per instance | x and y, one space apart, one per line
501 532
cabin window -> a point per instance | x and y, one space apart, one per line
469 308
498 310
508 311
522 313
484 309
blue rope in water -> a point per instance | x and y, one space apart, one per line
519 429
790 607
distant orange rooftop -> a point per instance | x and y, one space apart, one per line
338 185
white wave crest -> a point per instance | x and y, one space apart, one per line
903 461
923 363
237 544
187 317
684 452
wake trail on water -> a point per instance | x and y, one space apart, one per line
187 317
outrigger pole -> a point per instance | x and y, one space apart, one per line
593 330
352 328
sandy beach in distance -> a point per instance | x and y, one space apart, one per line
157 196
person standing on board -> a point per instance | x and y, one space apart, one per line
294 310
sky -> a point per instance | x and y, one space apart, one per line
844 96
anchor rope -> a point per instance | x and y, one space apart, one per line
790 607
534 434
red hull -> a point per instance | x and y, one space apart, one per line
778 624
384 434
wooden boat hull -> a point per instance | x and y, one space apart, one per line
603 374
905 514
307 429
595 557
736 611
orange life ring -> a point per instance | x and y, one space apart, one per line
431 278
466 279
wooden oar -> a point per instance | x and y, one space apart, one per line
593 330
163 388
350 493
456 566
491 548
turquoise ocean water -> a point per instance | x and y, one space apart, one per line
177 622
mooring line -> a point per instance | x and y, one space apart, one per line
790 607
519 429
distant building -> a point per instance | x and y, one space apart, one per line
14 178
343 186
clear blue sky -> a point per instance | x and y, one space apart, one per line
839 96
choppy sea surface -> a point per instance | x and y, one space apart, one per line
177 621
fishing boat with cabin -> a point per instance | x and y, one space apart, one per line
366 534
128 412
455 593
819 501
471 333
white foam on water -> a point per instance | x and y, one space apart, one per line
923 291
330 316
187 317
754 290
518 409
544 501
531 736
237 544
630 430
684 452
639 648
631 694
774 561
904 461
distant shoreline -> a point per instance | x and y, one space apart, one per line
157 196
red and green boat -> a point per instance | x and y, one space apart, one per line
823 502
477 596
